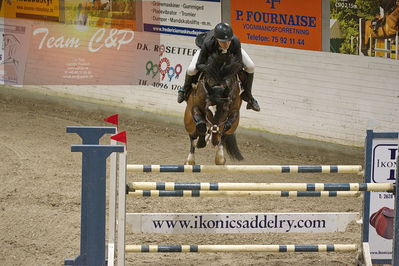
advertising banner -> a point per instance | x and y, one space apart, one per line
365 27
382 149
172 60
284 23
15 39
69 54
101 13
239 223
181 17
48 10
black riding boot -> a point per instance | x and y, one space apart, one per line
247 94
185 90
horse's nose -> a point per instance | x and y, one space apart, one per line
215 139
215 135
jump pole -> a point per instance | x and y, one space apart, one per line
260 186
206 193
293 169
240 248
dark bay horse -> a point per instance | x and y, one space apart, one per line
388 28
218 87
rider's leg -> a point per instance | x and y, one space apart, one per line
189 79
249 70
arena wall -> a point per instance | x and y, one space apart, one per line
314 95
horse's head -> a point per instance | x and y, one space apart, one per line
222 85
219 73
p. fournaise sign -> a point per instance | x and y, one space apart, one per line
284 23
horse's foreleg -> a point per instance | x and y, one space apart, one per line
230 121
219 158
191 158
200 125
199 121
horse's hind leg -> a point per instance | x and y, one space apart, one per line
219 158
191 158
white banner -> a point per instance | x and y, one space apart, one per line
181 17
237 223
167 61
383 166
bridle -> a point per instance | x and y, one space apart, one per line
215 128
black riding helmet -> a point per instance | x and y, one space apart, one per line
223 32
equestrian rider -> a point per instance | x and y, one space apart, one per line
386 6
222 40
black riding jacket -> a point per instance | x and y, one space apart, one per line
211 45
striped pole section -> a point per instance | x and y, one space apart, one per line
204 193
344 169
241 248
261 186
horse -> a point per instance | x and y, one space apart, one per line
218 86
10 46
388 28
86 7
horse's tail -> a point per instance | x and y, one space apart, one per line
230 142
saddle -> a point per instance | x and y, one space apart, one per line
382 221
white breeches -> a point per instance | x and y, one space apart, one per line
249 65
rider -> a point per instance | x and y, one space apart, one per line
386 6
222 40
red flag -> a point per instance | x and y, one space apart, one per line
113 119
121 137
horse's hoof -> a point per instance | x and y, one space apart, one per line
220 162
201 143
201 128
190 159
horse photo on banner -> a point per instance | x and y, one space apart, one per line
15 42
366 27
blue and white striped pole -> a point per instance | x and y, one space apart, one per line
240 248
325 169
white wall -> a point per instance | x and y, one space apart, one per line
324 96
315 95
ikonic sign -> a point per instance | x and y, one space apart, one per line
381 155
384 163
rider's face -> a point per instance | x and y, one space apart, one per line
224 45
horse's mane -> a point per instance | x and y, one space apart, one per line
222 67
